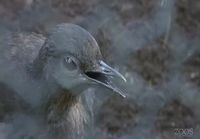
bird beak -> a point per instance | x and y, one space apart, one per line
104 74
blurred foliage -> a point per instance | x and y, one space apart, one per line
188 18
115 117
175 115
152 62
192 68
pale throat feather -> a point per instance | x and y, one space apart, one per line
66 114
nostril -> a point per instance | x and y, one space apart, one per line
107 71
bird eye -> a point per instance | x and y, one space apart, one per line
70 63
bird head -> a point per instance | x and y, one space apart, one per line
74 59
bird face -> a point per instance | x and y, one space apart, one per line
66 71
75 60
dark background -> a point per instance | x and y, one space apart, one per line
154 43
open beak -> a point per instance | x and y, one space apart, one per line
104 75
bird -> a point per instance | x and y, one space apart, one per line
50 74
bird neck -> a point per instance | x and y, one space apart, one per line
66 114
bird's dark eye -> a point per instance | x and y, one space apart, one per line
70 63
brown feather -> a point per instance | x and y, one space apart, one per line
65 114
